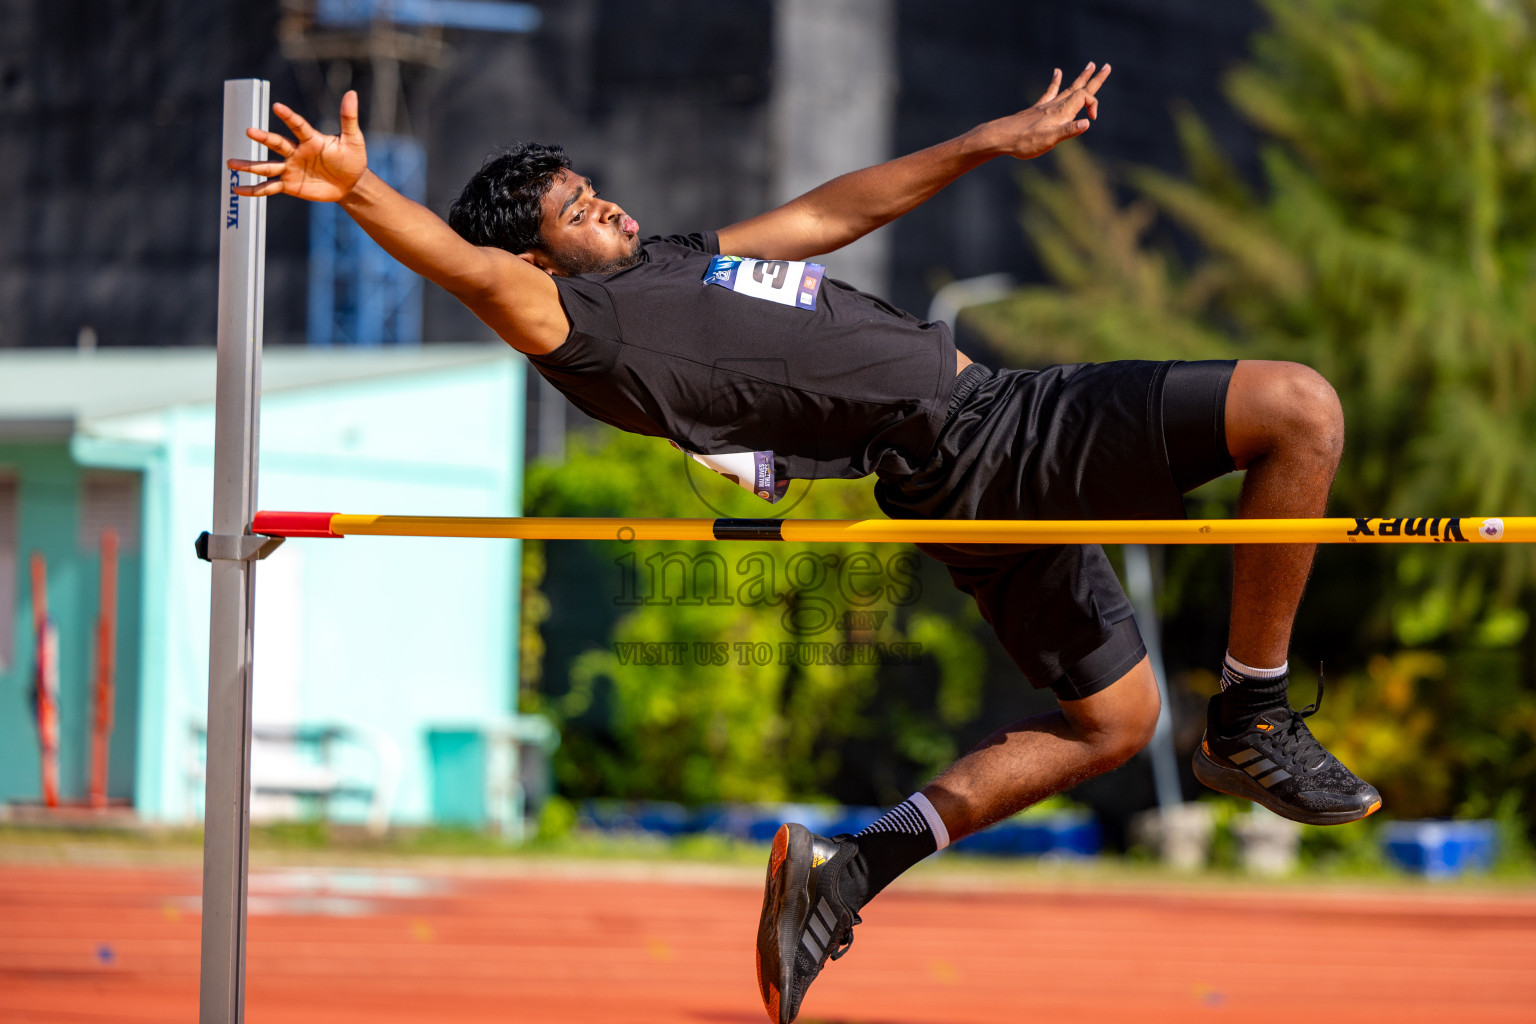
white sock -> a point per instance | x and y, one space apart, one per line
1234 672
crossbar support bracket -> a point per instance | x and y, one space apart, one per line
235 547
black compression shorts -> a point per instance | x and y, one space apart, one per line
1119 440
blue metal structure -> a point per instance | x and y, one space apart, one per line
484 15
358 294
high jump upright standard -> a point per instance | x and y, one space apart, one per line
227 810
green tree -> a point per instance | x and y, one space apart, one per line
1391 244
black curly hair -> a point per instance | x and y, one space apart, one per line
500 206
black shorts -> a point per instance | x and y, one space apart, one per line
1119 440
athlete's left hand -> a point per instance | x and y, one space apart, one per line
1052 119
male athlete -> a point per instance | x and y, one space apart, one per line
797 375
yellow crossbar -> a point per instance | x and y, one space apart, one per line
1371 530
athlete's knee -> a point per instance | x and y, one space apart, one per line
1316 417
1281 405
1117 722
1128 735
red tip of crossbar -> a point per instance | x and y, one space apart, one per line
293 524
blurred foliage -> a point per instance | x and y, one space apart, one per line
1355 852
1437 733
714 722
1391 244
557 819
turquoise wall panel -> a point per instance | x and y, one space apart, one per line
458 777
389 635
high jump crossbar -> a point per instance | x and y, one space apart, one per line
1369 530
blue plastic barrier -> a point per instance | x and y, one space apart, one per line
1073 834
1069 834
758 822
635 816
1441 849
750 822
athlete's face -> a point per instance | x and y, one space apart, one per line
583 232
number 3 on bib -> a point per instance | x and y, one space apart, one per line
787 282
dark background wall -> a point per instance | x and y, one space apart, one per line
110 111
966 61
110 115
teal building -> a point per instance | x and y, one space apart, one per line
371 653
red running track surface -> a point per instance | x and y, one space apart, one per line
336 945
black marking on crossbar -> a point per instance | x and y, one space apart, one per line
749 529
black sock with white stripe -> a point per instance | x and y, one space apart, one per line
900 838
1248 692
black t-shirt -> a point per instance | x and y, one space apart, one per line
850 387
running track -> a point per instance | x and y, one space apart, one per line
120 944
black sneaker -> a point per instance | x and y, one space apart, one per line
1276 762
804 920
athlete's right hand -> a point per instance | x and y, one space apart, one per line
322 168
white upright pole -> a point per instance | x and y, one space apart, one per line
1165 762
242 254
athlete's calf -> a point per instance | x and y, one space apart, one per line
1027 761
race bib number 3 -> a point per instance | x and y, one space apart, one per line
787 282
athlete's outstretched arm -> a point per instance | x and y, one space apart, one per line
851 206
514 299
